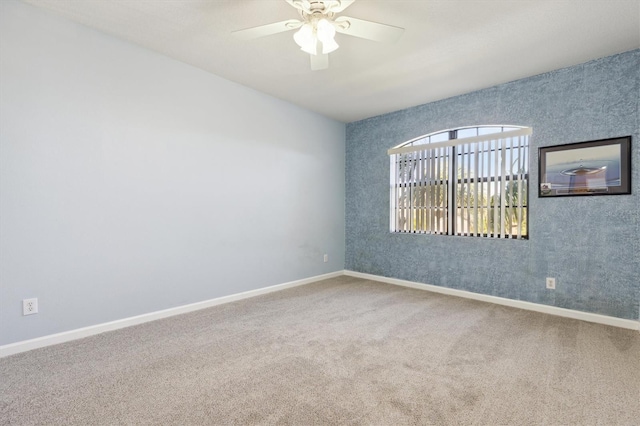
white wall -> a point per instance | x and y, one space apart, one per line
132 183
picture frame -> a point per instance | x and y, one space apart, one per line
599 167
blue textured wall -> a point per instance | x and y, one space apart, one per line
590 244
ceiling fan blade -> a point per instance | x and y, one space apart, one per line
319 62
367 29
341 5
269 29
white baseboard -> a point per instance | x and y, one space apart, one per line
552 310
79 333
54 339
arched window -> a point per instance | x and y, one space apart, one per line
470 181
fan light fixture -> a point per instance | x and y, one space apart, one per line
318 23
309 34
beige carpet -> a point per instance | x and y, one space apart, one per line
340 351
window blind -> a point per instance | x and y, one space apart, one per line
475 186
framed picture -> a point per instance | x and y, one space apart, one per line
601 167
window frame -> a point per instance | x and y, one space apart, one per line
454 182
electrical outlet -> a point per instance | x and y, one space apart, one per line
29 306
551 283
326 258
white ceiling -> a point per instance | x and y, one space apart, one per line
449 47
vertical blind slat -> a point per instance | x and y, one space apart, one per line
461 189
427 189
496 190
442 193
398 190
412 191
405 193
469 190
392 193
425 212
465 194
419 191
481 184
402 194
476 167
523 175
503 184
513 187
427 216
420 188
487 187
519 188
437 229
428 177
451 187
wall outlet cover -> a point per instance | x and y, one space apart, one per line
551 283
29 306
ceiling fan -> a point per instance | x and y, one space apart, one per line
318 26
